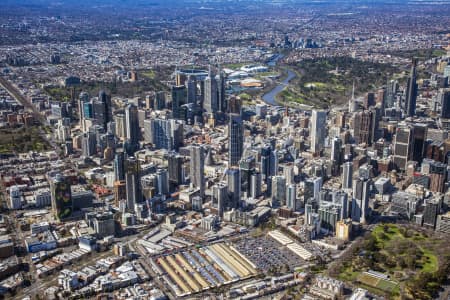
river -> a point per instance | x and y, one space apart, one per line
270 96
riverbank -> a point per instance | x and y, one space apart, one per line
270 97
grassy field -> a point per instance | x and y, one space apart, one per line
377 283
22 140
327 81
402 245
148 80
422 54
236 66
149 74
413 260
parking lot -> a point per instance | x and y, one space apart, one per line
266 253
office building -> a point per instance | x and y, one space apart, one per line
121 126
430 213
133 130
175 168
278 191
411 91
235 105
328 216
164 134
318 130
132 182
89 144
255 184
179 98
15 197
312 189
191 85
235 140
360 202
246 168
344 229
336 155
443 223
391 92
403 143
221 81
160 100
220 197
197 168
444 101
291 196
363 127
234 187
119 166
210 101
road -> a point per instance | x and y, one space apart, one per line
22 99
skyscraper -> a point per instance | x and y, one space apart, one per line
160 100
210 102
175 169
220 79
403 147
234 105
255 185
273 163
192 89
312 189
121 126
336 155
132 124
288 173
340 199
89 144
278 191
246 168
234 187
235 140
411 91
62 205
318 130
103 110
132 181
430 213
265 162
119 166
197 168
391 92
347 175
291 196
220 197
83 98
444 100
363 124
162 181
419 141
360 202
164 134
179 97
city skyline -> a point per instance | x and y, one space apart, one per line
250 149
